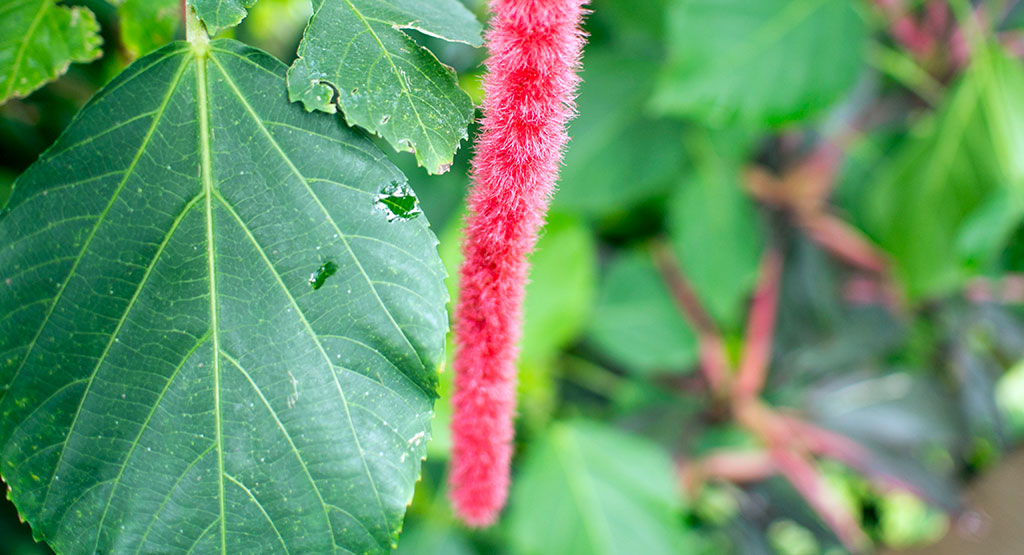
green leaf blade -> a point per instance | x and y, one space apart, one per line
635 321
758 61
587 488
354 56
218 15
39 40
184 386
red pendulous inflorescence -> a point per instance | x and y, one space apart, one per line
534 50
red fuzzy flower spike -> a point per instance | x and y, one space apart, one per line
534 48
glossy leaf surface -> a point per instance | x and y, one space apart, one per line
172 379
39 40
354 57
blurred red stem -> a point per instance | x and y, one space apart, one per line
713 358
757 347
806 479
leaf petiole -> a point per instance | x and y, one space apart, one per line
196 32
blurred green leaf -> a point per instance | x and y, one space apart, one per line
906 521
715 231
39 39
276 26
635 321
949 200
430 537
147 24
1010 398
759 61
617 156
561 290
588 489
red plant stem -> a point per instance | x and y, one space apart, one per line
757 348
534 49
713 357
832 445
806 479
737 467
904 29
845 242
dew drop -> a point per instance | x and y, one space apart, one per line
398 202
326 270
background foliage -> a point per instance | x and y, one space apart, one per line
878 146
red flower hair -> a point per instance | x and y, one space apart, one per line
534 49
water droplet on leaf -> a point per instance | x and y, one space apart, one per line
398 202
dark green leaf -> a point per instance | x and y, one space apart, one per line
218 15
759 61
589 489
636 323
39 40
355 57
147 24
715 232
172 380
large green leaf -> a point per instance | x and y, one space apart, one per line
173 379
617 157
218 15
714 228
147 24
635 321
760 61
355 57
951 197
39 40
589 489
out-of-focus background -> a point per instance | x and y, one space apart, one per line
856 164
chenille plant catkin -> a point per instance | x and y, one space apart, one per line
534 50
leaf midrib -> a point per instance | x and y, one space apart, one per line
202 85
24 44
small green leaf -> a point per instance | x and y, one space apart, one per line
169 379
147 24
218 15
713 225
759 61
354 56
588 489
39 40
635 321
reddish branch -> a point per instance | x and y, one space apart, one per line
757 348
534 48
789 445
714 361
